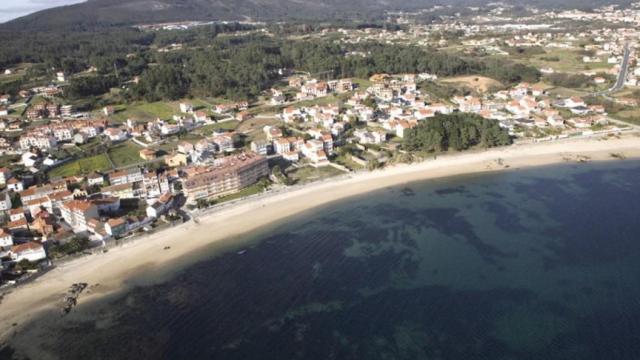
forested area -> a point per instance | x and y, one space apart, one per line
458 131
70 50
90 86
237 67
568 80
242 68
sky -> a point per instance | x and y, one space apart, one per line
11 9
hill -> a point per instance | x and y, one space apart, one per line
100 13
126 12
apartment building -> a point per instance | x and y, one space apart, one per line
227 176
77 214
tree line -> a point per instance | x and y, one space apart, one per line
237 67
243 68
457 131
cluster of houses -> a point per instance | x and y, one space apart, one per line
400 106
49 110
47 137
43 215
310 88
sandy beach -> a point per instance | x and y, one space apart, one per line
145 260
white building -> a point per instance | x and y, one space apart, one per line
186 107
42 142
115 134
31 251
77 213
5 201
6 240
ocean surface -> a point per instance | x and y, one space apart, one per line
533 264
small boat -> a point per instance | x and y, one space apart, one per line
242 252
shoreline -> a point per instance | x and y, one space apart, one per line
144 261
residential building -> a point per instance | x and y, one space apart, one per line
31 251
148 154
176 160
6 241
40 141
155 185
77 213
227 176
116 227
130 175
260 147
115 134
123 191
5 175
36 192
186 107
5 201
223 142
95 179
161 206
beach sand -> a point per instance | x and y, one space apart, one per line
146 261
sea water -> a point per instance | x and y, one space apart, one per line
528 264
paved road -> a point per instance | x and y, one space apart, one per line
623 69
622 76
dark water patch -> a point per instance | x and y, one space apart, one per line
387 276
7 353
581 238
448 221
587 290
613 333
506 219
407 191
494 194
451 190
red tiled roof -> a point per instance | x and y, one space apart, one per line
32 245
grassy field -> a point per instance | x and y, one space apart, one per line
4 79
207 130
361 84
125 154
18 73
568 61
308 174
566 92
326 100
254 127
82 166
145 111
631 115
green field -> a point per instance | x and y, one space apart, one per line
308 174
569 61
326 100
125 154
82 166
145 111
4 79
566 92
362 84
207 130
631 115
